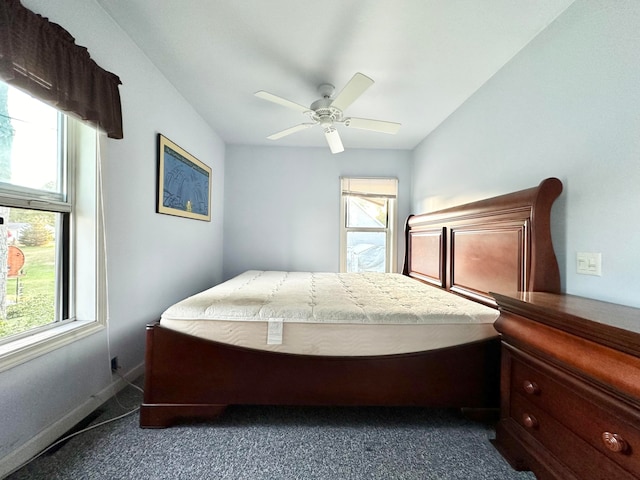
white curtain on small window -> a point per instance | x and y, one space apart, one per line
370 187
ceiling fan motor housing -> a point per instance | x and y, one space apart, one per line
323 113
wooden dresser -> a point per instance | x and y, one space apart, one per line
570 387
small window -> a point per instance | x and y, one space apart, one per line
367 236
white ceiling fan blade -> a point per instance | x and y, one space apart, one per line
290 130
374 125
351 91
333 139
281 101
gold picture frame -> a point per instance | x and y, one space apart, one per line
184 182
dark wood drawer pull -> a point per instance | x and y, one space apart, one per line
531 387
614 442
529 420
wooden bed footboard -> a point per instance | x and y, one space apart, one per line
188 377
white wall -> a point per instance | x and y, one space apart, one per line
282 204
153 260
567 106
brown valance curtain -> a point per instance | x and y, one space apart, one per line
42 58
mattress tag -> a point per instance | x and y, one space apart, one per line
274 332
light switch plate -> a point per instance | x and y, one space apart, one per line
589 263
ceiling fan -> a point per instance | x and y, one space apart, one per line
328 111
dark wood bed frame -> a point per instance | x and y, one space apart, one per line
498 244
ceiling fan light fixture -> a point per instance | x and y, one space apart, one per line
334 140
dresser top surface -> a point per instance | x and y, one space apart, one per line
603 322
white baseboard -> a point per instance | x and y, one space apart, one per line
46 437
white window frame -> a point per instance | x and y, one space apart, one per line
87 289
391 195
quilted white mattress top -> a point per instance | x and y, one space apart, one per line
369 298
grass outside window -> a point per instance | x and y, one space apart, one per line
32 304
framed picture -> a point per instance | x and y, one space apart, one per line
184 182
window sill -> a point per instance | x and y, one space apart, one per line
24 349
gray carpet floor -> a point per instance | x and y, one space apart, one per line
280 443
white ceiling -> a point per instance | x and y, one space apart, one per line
426 57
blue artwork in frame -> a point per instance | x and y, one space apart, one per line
184 182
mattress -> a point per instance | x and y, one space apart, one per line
335 314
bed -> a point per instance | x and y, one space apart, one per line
319 338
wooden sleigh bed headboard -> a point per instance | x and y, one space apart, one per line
501 244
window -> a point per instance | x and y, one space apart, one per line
368 218
49 236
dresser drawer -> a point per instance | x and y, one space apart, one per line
578 455
609 426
